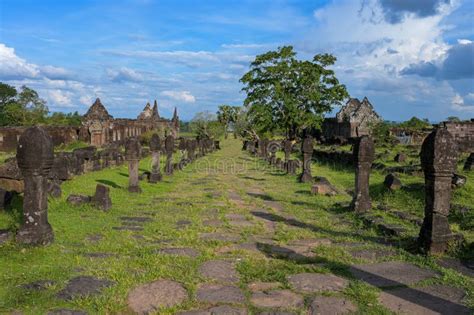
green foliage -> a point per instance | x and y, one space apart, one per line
453 119
146 137
381 133
290 95
227 115
415 124
71 146
26 108
62 119
205 125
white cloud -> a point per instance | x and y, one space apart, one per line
14 67
184 96
124 74
55 73
458 104
60 98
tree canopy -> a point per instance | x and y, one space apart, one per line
227 115
290 94
24 107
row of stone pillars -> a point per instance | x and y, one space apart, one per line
35 156
439 155
439 160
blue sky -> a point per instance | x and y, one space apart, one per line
408 57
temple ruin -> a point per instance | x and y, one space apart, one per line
352 121
99 128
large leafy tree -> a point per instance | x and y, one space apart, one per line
290 95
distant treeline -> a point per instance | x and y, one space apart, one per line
24 107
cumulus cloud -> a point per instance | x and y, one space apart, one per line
458 103
184 96
14 67
60 98
124 74
55 73
457 63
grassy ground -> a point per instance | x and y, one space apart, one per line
196 193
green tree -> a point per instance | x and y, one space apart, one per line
8 95
205 125
227 115
290 94
415 124
453 119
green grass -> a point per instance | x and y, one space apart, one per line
195 194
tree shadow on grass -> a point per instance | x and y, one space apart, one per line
261 196
253 178
108 183
123 174
296 223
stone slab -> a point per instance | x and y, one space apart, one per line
391 273
156 295
317 282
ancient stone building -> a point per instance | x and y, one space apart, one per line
100 128
463 133
352 121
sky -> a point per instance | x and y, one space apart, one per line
409 57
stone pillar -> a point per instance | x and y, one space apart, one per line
307 148
438 160
469 165
133 153
191 149
363 154
35 158
155 147
169 147
287 147
272 148
265 143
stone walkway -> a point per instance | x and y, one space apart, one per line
244 222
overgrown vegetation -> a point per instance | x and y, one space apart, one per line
288 95
24 107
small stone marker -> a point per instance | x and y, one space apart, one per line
438 160
35 157
400 158
156 295
287 147
273 147
77 200
169 147
133 152
307 148
392 182
101 199
363 154
155 147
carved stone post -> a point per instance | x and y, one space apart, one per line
273 147
169 147
155 148
35 157
363 154
438 160
192 149
307 148
133 153
287 147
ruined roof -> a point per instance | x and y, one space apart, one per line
97 112
147 112
356 111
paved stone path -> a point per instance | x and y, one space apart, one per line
245 220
